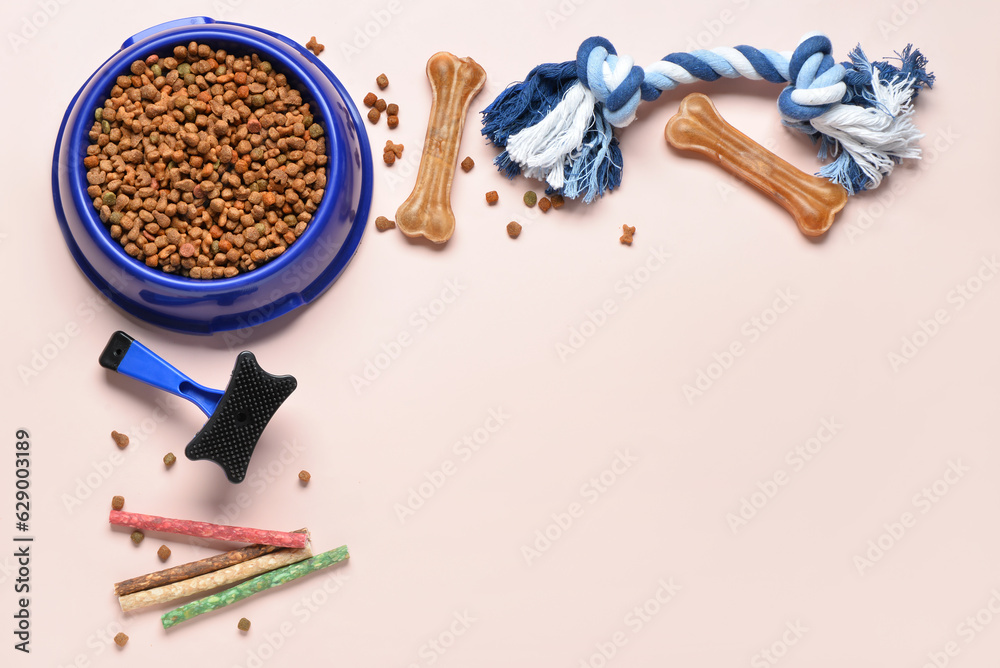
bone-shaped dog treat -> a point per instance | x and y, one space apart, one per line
812 201
427 211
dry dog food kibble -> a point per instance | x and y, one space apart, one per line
544 204
163 553
121 639
314 46
627 232
243 624
468 164
201 149
392 109
382 80
382 224
380 104
118 502
392 121
137 536
121 440
492 197
388 157
370 99
373 115
169 459
304 476
513 229
557 201
530 198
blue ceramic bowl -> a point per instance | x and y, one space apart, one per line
294 278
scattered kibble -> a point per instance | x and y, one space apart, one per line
373 115
121 639
183 150
392 109
530 198
380 104
557 201
169 459
137 536
382 80
492 197
370 99
117 502
395 148
304 476
544 204
513 229
392 121
382 224
121 440
243 624
163 553
468 164
314 46
627 233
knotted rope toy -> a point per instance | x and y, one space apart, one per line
558 124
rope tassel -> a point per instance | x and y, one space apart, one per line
558 124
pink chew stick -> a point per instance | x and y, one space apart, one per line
208 530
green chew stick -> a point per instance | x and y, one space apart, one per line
254 586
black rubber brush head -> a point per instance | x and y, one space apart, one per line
231 433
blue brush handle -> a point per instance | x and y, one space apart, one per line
130 358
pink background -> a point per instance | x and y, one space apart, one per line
449 584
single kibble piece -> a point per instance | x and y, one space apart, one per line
382 224
627 232
121 639
121 440
530 198
382 80
388 157
137 536
392 121
370 99
118 502
468 164
492 197
373 115
304 476
557 201
163 553
243 624
513 229
314 46
544 204
380 104
169 459
392 109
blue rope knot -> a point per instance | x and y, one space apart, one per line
620 102
812 68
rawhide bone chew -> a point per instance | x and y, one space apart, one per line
812 201
208 530
558 124
255 586
427 211
236 416
193 568
214 580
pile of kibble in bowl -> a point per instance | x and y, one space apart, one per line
205 164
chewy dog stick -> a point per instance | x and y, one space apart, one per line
220 578
193 569
254 586
208 530
427 211
812 201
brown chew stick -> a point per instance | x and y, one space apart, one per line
427 211
812 201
